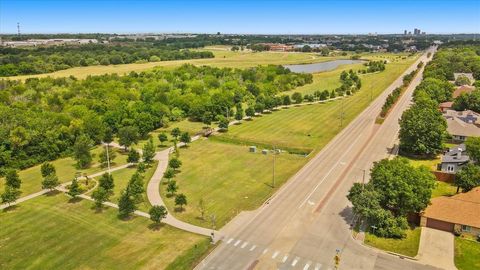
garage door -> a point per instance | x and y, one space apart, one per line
440 225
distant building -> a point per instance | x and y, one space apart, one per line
444 106
462 124
468 75
405 32
454 159
463 89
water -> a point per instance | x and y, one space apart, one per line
319 67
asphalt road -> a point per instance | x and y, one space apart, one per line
304 224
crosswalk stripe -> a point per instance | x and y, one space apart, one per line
253 247
265 250
275 255
238 242
244 244
295 261
307 265
318 266
229 240
284 258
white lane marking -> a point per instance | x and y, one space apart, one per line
265 250
253 247
295 261
310 202
238 242
285 258
329 171
244 244
307 265
275 255
342 163
229 240
318 266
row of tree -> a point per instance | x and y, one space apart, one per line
21 61
43 119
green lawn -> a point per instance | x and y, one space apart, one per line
443 189
311 127
228 178
467 254
66 170
51 233
407 246
430 163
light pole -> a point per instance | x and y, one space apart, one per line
108 158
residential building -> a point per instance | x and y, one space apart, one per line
462 124
463 89
459 213
468 75
454 159
444 106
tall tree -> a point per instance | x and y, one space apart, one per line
133 156
106 158
10 195
100 195
422 129
50 181
157 213
148 151
172 187
467 177
47 168
135 187
12 179
106 182
162 137
127 136
126 205
180 200
174 163
81 151
74 189
473 148
185 138
176 132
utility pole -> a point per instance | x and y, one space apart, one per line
18 28
108 158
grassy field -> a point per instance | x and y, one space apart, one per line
443 189
66 170
429 163
311 127
407 246
222 59
51 233
467 254
231 187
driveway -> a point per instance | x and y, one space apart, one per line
436 248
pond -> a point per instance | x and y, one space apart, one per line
319 67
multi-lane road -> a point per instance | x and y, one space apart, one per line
304 224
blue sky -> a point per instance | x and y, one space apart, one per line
276 17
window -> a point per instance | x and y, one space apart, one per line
465 228
450 168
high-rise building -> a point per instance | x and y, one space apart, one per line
405 32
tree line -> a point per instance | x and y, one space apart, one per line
43 119
21 61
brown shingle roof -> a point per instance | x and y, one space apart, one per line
463 208
462 89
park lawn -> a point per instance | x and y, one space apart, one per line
66 171
467 254
49 232
222 59
443 189
407 246
311 127
242 182
121 179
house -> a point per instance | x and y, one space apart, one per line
445 106
462 124
454 158
463 89
459 213
468 75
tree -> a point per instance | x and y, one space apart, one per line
181 200
126 205
81 151
108 135
223 123
169 174
50 181
422 129
157 213
133 156
207 118
239 113
10 195
250 112
148 151
106 182
437 90
135 187
473 148
47 168
127 136
176 132
106 158
467 177
100 195
12 179
74 188
185 138
297 97
162 137
174 163
141 167
286 100
172 187
462 80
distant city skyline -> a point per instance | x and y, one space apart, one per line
241 17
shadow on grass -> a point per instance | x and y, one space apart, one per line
74 200
52 193
10 208
126 218
179 209
156 226
237 123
